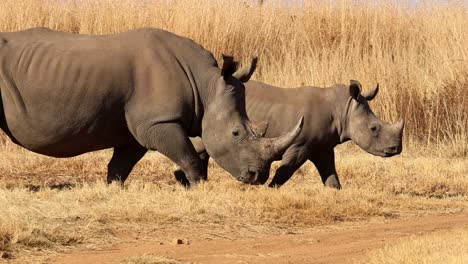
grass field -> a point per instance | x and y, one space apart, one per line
418 55
55 204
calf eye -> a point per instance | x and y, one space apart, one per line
375 130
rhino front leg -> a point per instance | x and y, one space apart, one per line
202 154
122 162
324 161
292 160
180 174
172 141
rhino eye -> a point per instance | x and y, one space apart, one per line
235 132
375 130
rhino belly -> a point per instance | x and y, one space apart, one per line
67 137
72 145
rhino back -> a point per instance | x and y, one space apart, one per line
66 94
281 107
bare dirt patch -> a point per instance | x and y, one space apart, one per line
336 244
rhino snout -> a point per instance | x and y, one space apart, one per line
252 175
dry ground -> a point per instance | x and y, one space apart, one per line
342 243
56 206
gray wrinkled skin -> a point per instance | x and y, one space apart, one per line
332 116
148 89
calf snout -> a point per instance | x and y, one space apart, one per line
393 150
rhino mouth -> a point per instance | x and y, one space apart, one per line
391 151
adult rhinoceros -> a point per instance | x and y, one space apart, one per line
332 116
65 94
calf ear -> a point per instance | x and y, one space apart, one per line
244 73
371 94
354 89
229 66
259 128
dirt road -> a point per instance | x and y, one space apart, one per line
339 244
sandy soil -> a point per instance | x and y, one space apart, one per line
336 244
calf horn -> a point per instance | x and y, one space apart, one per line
400 124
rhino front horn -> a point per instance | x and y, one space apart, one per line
280 144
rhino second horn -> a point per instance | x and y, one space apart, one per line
280 144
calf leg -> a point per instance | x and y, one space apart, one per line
171 140
324 161
122 162
292 160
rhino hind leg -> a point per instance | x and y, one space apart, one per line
324 161
284 173
122 162
172 141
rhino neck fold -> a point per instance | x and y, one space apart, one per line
341 119
207 89
202 80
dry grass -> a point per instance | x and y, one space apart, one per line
44 216
418 55
442 247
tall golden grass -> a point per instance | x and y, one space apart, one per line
419 55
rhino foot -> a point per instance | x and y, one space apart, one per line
182 178
333 182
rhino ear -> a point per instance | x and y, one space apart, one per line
259 128
229 66
244 73
354 89
371 94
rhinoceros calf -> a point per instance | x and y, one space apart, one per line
332 116
65 94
